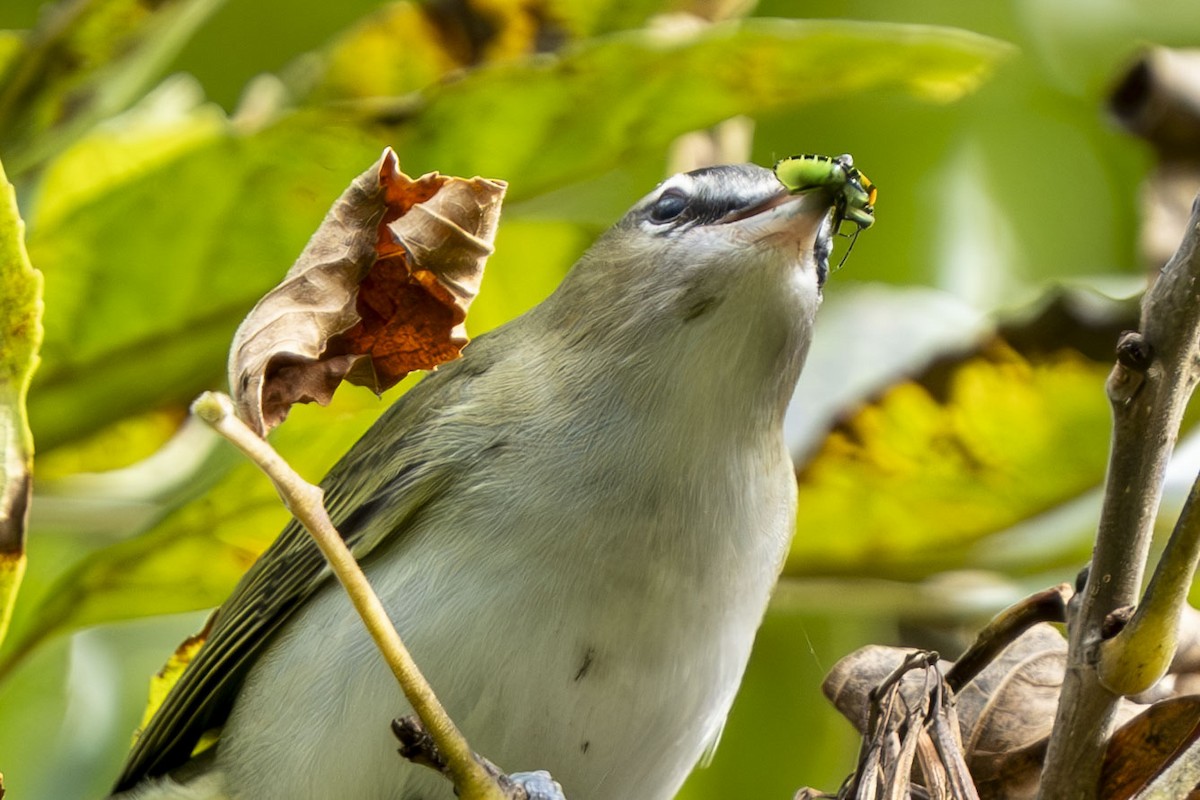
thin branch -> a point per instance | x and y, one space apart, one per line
1148 390
305 501
1138 657
1048 605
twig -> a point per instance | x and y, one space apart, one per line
946 735
907 724
305 501
1138 657
1048 605
1148 390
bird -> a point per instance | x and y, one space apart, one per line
576 528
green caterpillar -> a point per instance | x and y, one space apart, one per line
855 200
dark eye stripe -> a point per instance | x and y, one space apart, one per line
703 197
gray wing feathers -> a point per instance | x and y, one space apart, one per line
406 478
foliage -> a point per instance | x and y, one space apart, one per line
158 218
20 335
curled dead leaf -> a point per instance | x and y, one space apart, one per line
1005 714
381 289
853 680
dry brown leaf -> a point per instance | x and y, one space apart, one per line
809 793
1144 746
1005 714
381 289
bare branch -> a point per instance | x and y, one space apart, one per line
1148 389
1048 605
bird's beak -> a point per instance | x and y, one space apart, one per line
790 220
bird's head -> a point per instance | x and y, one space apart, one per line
719 269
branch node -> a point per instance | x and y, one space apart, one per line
417 745
1134 352
1115 621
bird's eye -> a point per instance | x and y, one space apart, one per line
669 206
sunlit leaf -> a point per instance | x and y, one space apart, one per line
916 479
541 123
169 122
12 46
366 61
125 442
404 46
589 17
908 481
106 353
20 336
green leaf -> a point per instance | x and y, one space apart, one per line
542 124
126 442
12 47
86 61
20 336
193 557
591 17
365 61
139 232
168 123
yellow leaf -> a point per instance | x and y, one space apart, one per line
166 677
909 481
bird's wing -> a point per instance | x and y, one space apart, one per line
374 492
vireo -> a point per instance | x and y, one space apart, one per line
575 527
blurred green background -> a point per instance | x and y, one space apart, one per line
171 163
